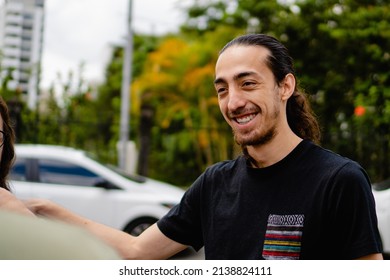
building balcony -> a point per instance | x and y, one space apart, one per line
14 19
13 30
10 63
12 52
12 41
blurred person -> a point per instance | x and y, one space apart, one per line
285 197
27 238
7 138
7 154
45 239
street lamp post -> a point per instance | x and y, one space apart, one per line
126 92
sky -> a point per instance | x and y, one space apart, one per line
79 31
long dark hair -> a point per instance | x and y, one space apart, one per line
8 155
300 116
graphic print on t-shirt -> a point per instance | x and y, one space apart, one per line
283 237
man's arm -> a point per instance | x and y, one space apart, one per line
371 257
151 244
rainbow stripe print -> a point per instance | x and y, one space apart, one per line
283 237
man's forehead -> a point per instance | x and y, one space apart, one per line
243 50
241 60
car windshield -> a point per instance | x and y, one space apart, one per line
133 177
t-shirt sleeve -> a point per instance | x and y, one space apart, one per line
354 213
183 222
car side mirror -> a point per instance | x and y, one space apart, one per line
102 183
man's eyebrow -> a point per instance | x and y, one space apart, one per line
219 81
243 75
235 77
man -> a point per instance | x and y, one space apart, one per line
284 198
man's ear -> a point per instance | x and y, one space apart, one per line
288 86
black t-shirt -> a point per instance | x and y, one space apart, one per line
313 204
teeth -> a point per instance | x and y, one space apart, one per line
245 119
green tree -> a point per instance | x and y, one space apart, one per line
107 104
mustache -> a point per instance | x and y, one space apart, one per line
244 111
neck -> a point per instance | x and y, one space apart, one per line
270 153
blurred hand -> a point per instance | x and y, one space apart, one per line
39 206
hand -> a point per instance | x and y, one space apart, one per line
10 203
39 206
51 210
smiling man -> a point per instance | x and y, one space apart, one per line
254 103
285 197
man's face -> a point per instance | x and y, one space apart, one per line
248 95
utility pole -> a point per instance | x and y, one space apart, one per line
126 92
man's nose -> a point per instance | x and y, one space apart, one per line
236 99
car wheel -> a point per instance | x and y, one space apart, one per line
137 226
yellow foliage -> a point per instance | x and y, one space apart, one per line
197 76
166 55
203 139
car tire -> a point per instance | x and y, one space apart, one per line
137 226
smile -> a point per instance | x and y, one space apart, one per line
245 119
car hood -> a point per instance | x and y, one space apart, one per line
163 190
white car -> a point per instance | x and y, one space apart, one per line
381 193
74 180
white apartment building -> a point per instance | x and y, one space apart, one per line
21 42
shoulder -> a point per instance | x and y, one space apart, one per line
226 167
326 158
224 171
331 168
10 203
343 174
216 175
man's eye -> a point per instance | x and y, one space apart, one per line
247 84
221 90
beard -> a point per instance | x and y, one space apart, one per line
266 131
258 138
